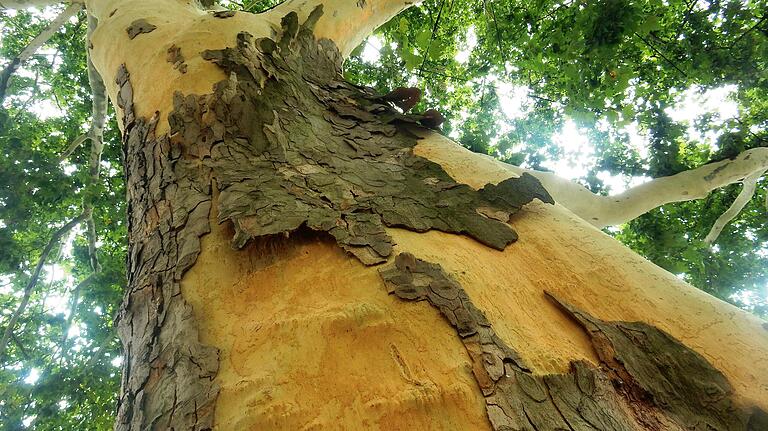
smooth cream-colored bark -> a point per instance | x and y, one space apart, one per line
309 337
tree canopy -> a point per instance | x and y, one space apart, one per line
609 93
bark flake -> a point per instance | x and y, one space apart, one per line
138 27
176 58
224 14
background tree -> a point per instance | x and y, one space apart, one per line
606 67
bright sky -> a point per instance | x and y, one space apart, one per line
578 152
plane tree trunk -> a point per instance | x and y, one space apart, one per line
303 256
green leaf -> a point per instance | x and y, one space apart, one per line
423 38
403 26
649 24
436 50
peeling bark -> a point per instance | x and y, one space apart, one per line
289 144
167 373
138 27
646 379
176 58
292 144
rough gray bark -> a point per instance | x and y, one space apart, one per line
167 372
290 145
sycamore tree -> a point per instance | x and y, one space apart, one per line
342 215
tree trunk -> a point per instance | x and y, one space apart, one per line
375 280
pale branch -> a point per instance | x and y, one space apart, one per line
24 4
91 235
55 238
73 303
72 147
36 43
347 22
602 211
747 192
96 135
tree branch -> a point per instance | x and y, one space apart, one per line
347 22
73 303
747 192
685 186
73 146
602 211
36 43
55 238
96 135
24 4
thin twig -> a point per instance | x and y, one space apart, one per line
55 238
72 147
73 303
498 33
738 39
432 36
661 54
20 346
685 19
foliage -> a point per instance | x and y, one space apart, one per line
608 67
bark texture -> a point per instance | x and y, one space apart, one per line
167 373
646 379
289 145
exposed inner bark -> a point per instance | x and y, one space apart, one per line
289 144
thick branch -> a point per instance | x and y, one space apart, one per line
602 211
347 22
685 186
36 43
55 238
